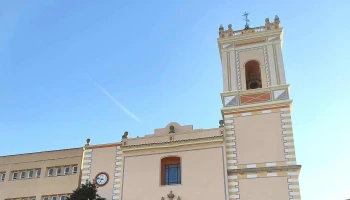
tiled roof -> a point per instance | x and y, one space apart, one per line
172 141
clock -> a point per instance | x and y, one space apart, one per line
101 178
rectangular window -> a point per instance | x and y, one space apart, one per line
30 174
58 171
172 174
66 171
63 198
3 175
23 175
50 172
38 172
75 170
14 176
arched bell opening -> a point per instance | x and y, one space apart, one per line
253 75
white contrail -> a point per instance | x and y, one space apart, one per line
116 102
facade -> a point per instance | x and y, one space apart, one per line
174 160
250 156
40 175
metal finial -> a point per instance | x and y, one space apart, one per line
245 18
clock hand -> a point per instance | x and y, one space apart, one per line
99 180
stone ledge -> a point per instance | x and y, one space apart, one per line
265 169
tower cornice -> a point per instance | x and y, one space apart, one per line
257 107
249 34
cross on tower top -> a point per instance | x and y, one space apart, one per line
245 18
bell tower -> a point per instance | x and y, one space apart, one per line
260 153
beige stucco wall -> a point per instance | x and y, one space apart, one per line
259 139
275 188
44 185
103 160
202 170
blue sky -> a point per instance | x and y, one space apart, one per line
60 61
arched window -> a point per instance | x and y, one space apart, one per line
170 170
253 75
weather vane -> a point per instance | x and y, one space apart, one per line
245 18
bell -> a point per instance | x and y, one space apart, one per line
254 82
253 85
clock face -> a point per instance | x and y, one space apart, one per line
101 179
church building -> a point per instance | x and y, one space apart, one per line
250 155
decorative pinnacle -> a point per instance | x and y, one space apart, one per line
171 195
221 28
247 21
230 27
222 123
277 19
87 142
125 135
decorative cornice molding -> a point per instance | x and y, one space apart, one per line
174 143
230 93
177 134
266 33
250 42
103 145
258 106
265 169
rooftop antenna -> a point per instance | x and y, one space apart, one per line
245 18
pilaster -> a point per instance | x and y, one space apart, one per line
233 71
86 166
225 74
117 182
280 65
